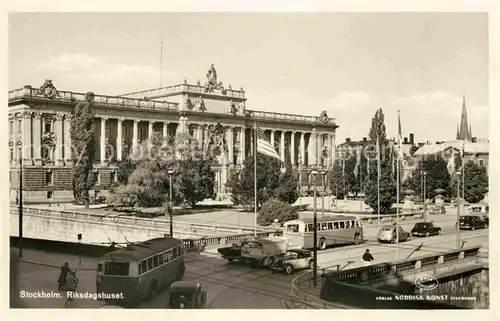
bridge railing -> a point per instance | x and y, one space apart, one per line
196 229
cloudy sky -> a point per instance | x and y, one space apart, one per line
349 64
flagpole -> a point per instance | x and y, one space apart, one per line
397 190
161 62
255 176
378 183
360 181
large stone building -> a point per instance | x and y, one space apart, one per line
39 132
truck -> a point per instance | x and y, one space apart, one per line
258 252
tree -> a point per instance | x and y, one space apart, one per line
271 182
336 180
475 182
125 168
437 177
82 132
387 189
276 210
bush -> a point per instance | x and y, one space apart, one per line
275 209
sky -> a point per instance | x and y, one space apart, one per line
349 64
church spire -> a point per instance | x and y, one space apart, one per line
464 129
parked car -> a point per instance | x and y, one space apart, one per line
291 260
425 229
388 234
187 295
472 222
232 252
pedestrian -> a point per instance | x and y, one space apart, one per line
17 198
65 270
71 284
367 258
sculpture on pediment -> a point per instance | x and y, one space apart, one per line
212 83
323 117
48 90
201 104
198 83
48 143
229 87
185 81
188 103
233 109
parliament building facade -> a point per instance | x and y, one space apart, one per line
40 140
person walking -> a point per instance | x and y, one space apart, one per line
367 258
71 284
65 270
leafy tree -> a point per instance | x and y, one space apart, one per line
82 132
271 182
125 168
437 177
336 180
275 209
352 181
387 189
378 129
475 182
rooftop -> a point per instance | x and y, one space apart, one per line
469 147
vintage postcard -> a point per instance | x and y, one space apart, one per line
249 160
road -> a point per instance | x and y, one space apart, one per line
229 286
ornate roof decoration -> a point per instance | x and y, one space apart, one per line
323 118
188 103
48 90
48 139
217 134
212 83
236 108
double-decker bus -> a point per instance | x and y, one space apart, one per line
335 229
140 270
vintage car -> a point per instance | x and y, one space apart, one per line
388 234
472 222
425 229
232 252
291 260
187 295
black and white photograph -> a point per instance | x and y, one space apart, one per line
249 160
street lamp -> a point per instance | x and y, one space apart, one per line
300 181
458 209
323 194
171 205
425 196
315 234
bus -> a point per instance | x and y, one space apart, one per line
335 229
139 271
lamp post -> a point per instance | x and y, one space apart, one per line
323 194
300 182
425 196
20 247
171 205
315 234
458 209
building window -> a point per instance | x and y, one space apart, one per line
112 177
19 126
11 127
11 154
481 162
108 130
97 178
50 194
47 128
141 133
48 177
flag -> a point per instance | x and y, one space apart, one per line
358 162
400 139
264 147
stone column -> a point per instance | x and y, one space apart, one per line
26 138
272 138
242 145
59 161
319 149
150 129
119 139
302 147
37 138
165 129
330 151
199 134
135 135
15 155
102 144
333 148
230 144
292 148
313 149
67 139
282 146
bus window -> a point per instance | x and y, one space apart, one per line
330 226
347 224
310 228
358 223
323 226
336 225
160 259
353 224
294 228
144 267
165 256
156 260
318 226
341 225
150 263
116 268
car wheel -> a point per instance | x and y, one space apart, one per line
427 234
288 269
322 244
440 232
311 264
270 261
473 228
393 241
357 239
